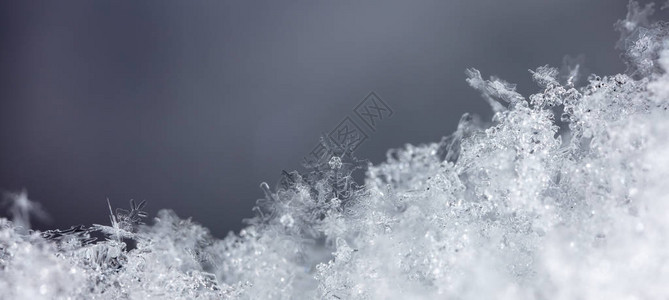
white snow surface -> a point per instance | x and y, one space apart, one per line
562 195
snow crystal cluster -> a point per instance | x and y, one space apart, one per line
562 195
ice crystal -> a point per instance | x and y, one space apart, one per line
527 206
21 208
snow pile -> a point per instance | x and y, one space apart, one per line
561 196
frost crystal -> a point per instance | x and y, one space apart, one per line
335 162
524 207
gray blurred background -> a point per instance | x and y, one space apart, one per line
191 104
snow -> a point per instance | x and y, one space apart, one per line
515 209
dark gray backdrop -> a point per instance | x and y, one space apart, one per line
191 104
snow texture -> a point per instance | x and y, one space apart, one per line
562 195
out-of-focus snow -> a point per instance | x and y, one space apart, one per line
517 209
